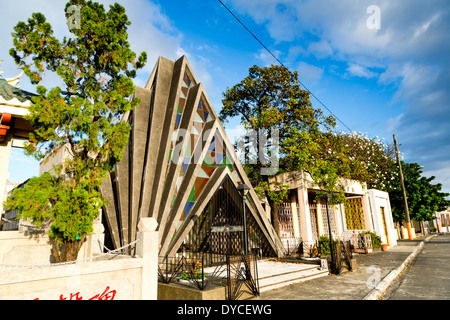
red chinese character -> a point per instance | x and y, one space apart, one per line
106 295
76 295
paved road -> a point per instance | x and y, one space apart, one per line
353 285
428 276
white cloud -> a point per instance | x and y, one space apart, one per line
442 174
320 49
393 123
424 27
360 71
309 74
266 58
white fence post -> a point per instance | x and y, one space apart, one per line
147 249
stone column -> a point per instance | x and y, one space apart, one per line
295 222
304 216
320 218
367 216
147 249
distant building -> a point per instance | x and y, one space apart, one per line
443 220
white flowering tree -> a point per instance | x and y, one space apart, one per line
375 159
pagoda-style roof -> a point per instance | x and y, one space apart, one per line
9 92
14 104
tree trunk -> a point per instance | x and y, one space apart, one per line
273 209
68 251
274 216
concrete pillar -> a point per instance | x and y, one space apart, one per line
295 222
367 216
5 153
304 216
147 249
320 228
339 219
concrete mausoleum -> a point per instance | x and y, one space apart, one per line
303 219
180 168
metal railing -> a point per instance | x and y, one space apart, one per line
291 245
193 270
237 273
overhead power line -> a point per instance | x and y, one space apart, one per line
281 63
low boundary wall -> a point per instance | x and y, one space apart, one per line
113 277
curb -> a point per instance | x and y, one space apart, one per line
377 292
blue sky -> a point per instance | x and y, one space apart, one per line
394 79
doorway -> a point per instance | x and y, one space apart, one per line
383 219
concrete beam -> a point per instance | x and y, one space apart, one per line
160 176
162 86
138 141
106 189
170 246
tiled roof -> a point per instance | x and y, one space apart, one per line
9 92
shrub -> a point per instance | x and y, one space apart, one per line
324 245
376 240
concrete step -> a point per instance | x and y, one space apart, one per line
274 275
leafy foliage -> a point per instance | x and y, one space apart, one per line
376 239
424 198
97 67
271 98
324 245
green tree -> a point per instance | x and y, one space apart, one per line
424 197
271 98
96 66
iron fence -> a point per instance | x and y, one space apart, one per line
242 276
193 270
341 257
291 245
237 273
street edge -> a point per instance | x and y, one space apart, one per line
381 288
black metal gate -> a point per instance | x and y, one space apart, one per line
215 245
219 230
242 274
227 221
237 273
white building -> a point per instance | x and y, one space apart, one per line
301 218
443 220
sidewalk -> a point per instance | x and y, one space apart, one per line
372 276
